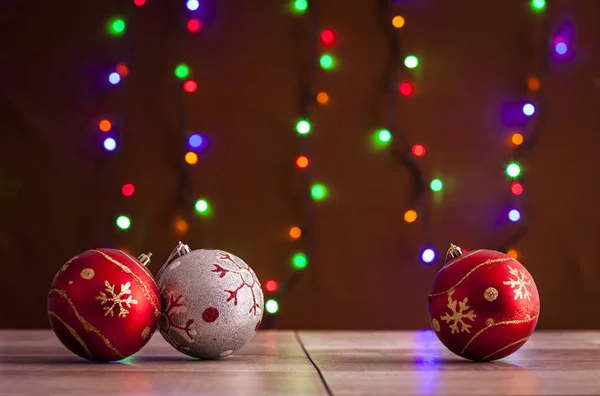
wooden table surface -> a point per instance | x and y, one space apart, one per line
308 363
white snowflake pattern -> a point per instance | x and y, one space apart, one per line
459 316
521 291
116 299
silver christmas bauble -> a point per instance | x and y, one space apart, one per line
212 302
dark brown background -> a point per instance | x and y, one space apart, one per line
59 191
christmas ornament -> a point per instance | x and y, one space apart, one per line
104 305
212 302
483 304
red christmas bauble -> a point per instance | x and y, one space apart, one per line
483 305
104 305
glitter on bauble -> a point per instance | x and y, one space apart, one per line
103 304
212 302
483 304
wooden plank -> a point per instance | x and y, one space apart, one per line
416 363
35 363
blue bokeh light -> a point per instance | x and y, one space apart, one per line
110 144
561 48
428 255
114 78
514 215
195 140
529 109
193 5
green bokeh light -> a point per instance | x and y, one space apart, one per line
303 127
327 62
182 71
436 185
123 222
318 192
117 26
272 306
299 261
411 61
538 5
202 207
513 169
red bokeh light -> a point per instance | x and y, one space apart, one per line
128 189
271 285
139 3
406 89
516 188
328 37
190 86
418 150
194 25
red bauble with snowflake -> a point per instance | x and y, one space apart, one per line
483 304
104 305
212 302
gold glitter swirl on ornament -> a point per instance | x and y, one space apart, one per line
87 325
489 322
436 325
524 339
87 273
129 271
145 333
505 323
486 262
490 294
73 333
66 265
461 257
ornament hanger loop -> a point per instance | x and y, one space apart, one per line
145 258
453 252
180 250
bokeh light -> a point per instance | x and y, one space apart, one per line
299 260
418 150
139 3
128 189
322 98
271 285
195 140
295 232
318 192
384 136
190 86
114 78
538 5
123 222
406 89
299 6
182 71
194 25
516 139
302 162
122 69
303 127
328 37
514 215
528 109
411 61
110 144
116 26
272 306
516 188
104 125
513 253
428 255
180 225
398 21
327 62
410 216
202 207
561 48
513 169
436 185
192 5
191 158
533 84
